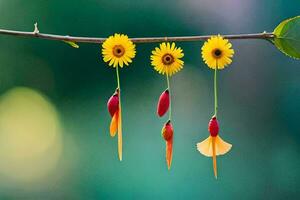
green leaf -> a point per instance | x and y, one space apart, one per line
287 37
72 44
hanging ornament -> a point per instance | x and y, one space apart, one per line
216 53
117 50
163 103
166 60
167 133
113 103
113 109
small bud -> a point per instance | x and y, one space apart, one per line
167 131
163 103
113 103
213 126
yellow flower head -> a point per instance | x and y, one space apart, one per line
217 52
166 59
118 50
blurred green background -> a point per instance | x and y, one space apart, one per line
54 136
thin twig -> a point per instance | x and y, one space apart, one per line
37 34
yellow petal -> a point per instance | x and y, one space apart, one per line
214 156
120 146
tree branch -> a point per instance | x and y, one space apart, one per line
36 34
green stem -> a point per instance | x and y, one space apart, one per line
119 87
215 91
170 107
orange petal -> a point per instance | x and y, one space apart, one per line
213 147
205 147
120 134
114 124
221 147
169 152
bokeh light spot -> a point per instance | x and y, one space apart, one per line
30 140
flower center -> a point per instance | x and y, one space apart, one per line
167 59
217 53
118 51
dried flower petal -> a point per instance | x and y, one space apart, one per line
163 103
169 152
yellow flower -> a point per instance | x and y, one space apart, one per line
166 59
118 50
217 52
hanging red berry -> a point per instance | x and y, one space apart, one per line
167 133
113 103
213 126
163 103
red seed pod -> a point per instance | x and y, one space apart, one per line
167 131
163 103
213 126
113 103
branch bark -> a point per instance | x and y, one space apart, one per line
98 40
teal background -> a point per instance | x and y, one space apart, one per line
259 97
